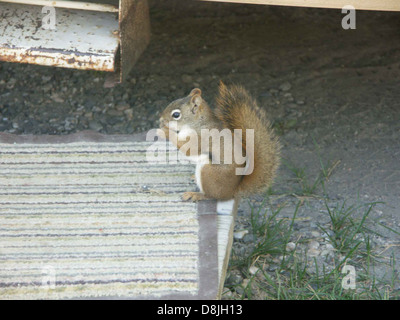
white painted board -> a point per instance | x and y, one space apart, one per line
80 39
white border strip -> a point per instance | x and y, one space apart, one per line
68 5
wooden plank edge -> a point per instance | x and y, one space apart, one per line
383 5
225 264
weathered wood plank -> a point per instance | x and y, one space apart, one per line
381 5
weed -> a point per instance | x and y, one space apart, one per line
296 277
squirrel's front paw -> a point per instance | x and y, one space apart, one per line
193 196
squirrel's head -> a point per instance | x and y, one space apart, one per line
191 111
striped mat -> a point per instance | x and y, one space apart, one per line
97 219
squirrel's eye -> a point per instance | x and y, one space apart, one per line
176 114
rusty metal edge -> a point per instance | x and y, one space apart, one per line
57 59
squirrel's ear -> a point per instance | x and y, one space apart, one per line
195 102
195 91
222 86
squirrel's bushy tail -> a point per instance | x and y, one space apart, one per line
238 110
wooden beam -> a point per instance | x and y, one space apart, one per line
134 28
379 5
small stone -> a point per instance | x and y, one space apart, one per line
273 91
239 290
234 279
313 253
46 78
313 245
239 235
122 107
272 268
94 125
253 270
187 78
245 282
56 98
88 115
227 294
276 260
248 238
97 109
315 234
114 113
129 114
290 246
11 83
288 96
325 252
286 86
328 246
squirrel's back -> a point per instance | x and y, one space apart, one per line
236 109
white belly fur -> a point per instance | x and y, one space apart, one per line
200 161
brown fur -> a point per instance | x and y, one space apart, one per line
235 109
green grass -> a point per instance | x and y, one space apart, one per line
306 187
270 270
345 228
292 278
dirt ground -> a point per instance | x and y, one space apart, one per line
332 94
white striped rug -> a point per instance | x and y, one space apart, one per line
93 218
